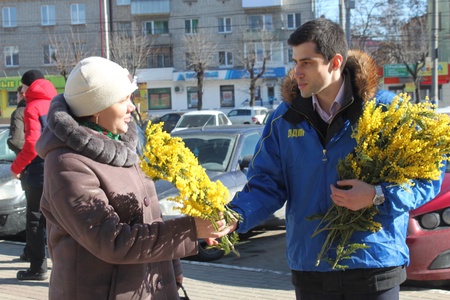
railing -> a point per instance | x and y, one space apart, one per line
261 3
147 7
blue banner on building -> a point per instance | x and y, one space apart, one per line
278 72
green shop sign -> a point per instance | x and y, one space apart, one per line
400 70
395 70
13 82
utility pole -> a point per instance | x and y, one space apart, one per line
106 24
435 54
342 13
348 6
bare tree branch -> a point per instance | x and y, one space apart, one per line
258 46
201 54
130 51
69 50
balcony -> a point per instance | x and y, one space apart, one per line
150 7
261 3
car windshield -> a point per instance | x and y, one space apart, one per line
213 152
196 120
5 153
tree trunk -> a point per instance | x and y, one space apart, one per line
417 90
200 75
252 91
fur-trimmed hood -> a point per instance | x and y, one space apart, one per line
64 131
363 71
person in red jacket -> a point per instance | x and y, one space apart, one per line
38 94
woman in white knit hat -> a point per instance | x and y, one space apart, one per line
105 233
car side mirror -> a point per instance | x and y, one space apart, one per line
245 162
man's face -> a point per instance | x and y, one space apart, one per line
312 72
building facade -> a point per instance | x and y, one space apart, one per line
233 28
52 35
32 32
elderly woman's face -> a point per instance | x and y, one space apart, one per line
117 117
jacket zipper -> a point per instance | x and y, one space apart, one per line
324 151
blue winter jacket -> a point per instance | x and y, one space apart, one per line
294 163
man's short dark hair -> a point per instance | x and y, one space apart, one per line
327 35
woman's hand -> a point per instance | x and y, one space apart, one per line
207 231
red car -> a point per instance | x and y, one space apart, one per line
429 238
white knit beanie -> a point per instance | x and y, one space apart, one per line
96 83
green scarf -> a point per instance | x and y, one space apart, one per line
100 129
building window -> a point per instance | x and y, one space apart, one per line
225 58
48 15
224 25
156 27
9 17
124 28
260 22
123 2
191 26
160 60
159 98
192 97
78 13
290 52
188 61
271 51
49 55
293 21
227 96
12 99
276 52
11 54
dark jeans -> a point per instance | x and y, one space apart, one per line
352 284
391 294
35 230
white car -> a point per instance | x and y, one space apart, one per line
201 118
248 115
443 110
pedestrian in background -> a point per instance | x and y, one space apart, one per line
16 139
105 232
16 128
323 99
38 92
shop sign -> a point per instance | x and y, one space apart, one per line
400 70
9 83
395 70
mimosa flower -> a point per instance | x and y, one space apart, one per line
167 158
395 143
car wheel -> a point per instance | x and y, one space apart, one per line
205 254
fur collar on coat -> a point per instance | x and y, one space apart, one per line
64 131
363 73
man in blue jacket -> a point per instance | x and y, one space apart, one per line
295 162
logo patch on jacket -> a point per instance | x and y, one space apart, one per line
294 133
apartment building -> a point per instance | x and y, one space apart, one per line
232 27
33 31
29 33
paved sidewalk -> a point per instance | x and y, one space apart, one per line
202 281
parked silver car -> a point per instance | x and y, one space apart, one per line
201 118
12 197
